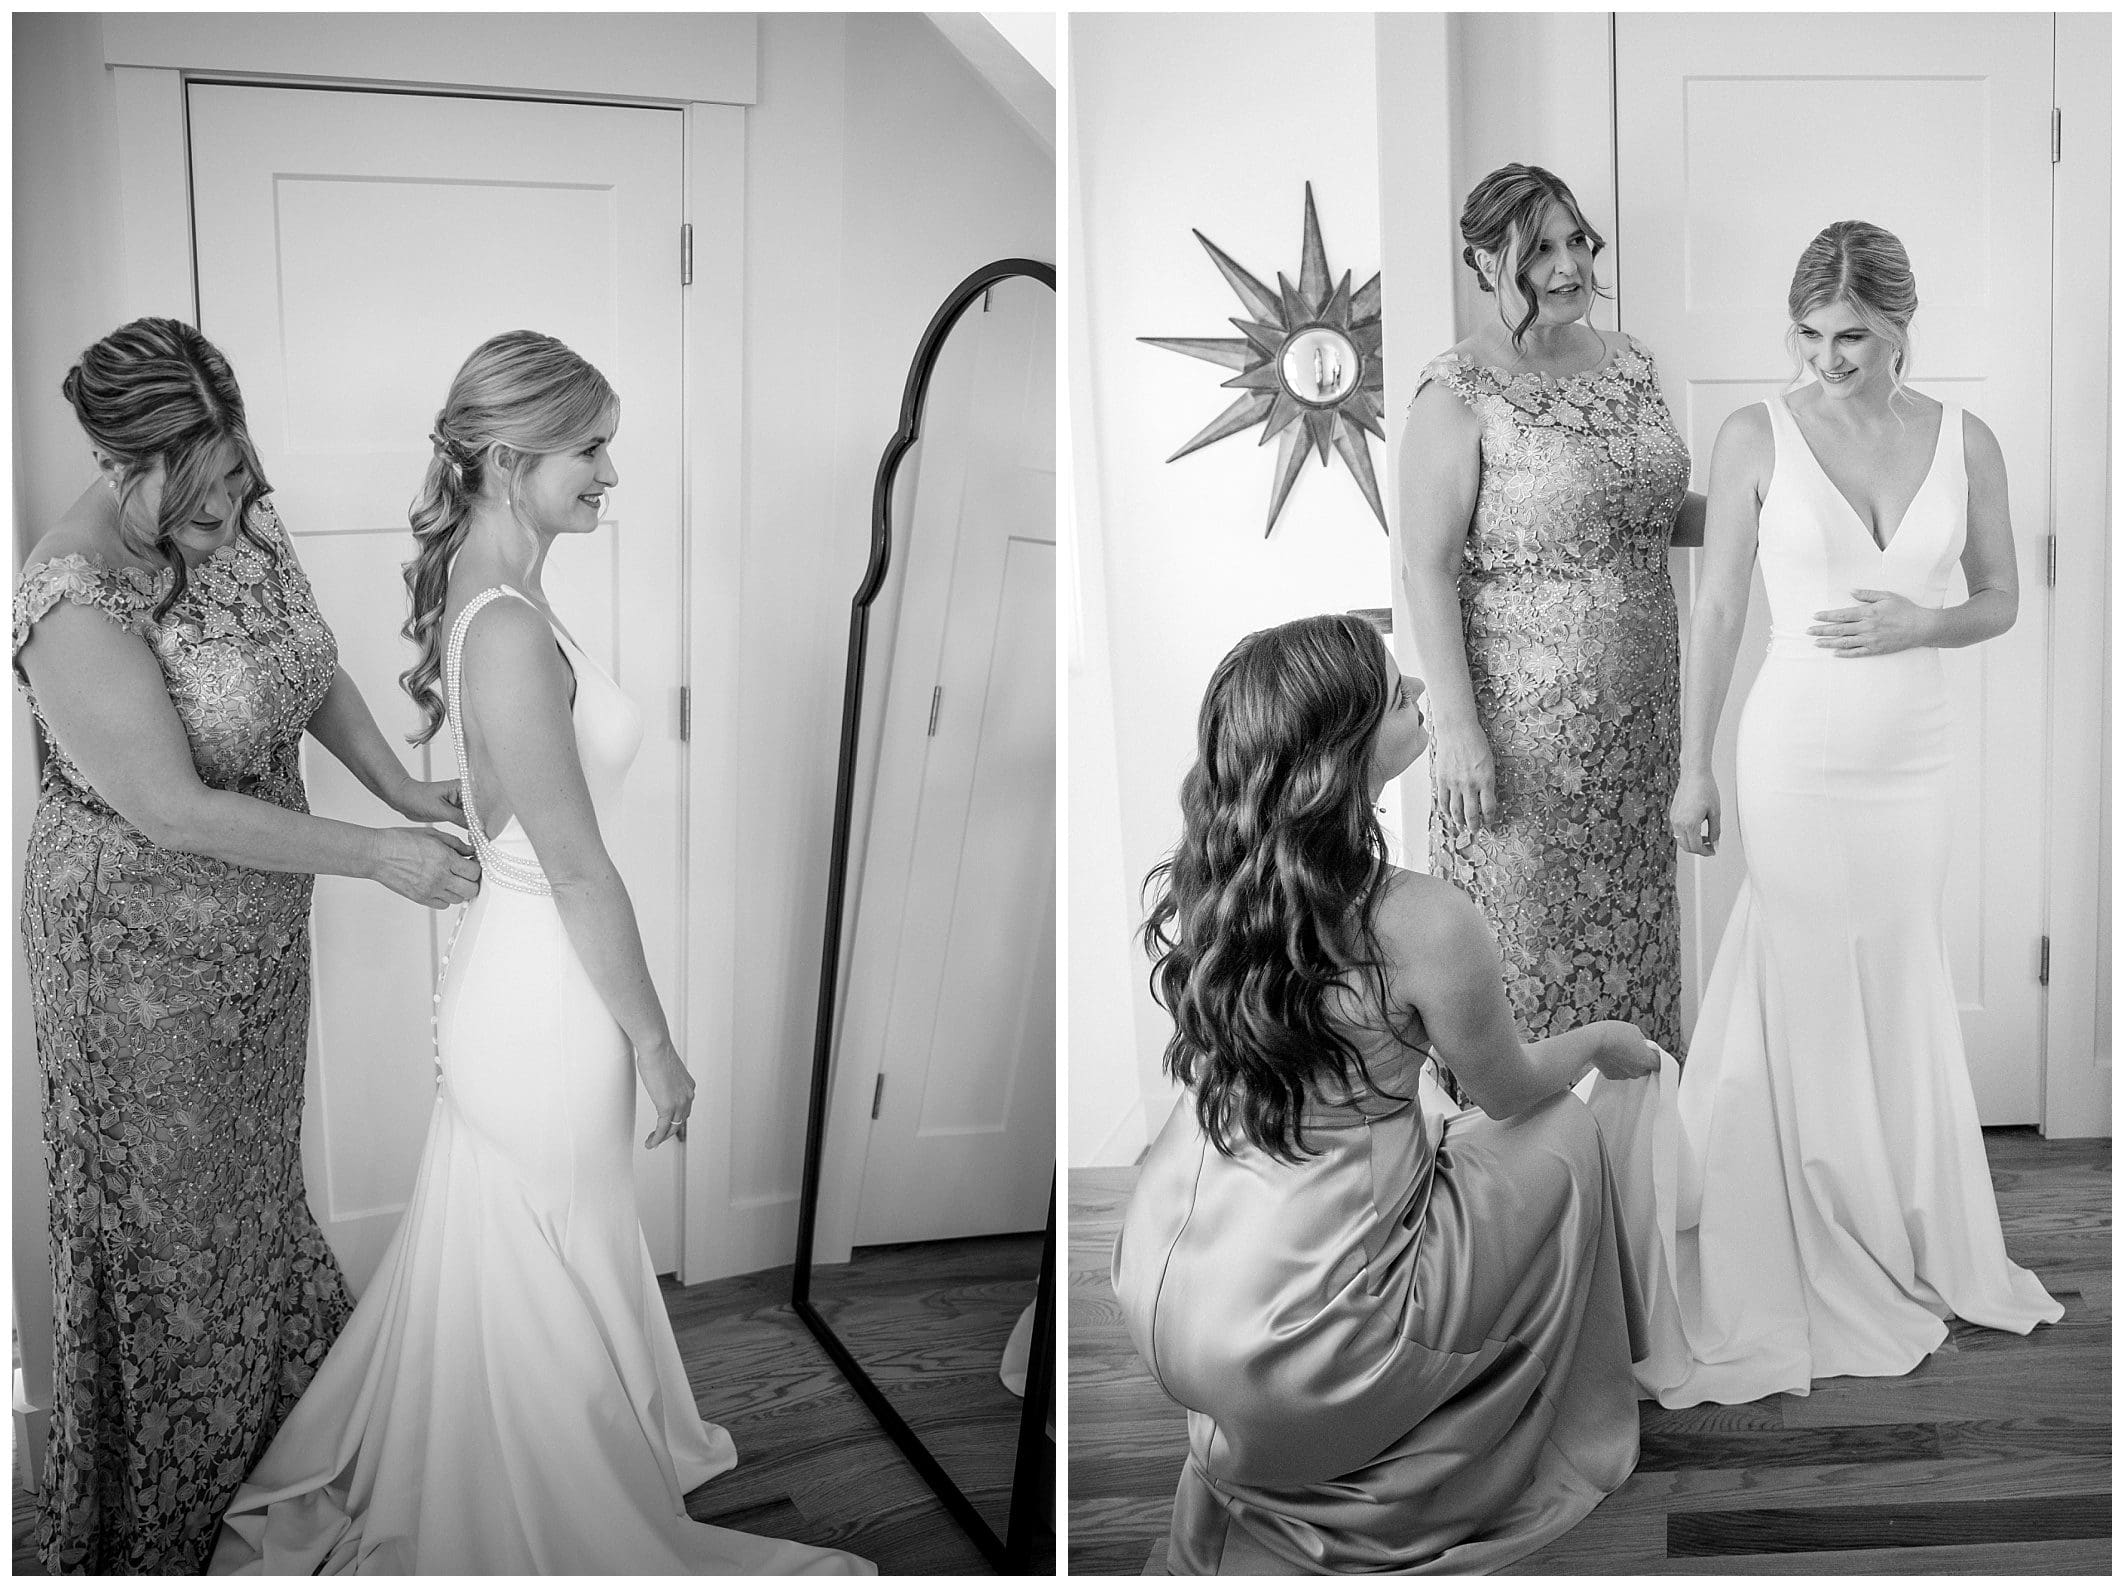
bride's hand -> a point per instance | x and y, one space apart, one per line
1880 625
1624 1052
1693 817
430 802
670 1088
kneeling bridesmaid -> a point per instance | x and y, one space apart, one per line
1403 1332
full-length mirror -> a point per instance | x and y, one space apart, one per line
928 1192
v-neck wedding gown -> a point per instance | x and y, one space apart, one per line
508 1396
1832 1204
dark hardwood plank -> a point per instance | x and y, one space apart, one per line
1764 1530
1994 1477
1666 1450
2060 1558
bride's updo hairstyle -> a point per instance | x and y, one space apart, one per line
519 391
1857 264
1504 216
1261 922
156 390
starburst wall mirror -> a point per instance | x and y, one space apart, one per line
1309 368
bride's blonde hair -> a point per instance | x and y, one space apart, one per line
1865 268
520 390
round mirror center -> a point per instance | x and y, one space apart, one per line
1319 366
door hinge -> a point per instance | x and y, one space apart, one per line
686 255
685 712
2057 135
936 702
2050 563
2043 969
877 1097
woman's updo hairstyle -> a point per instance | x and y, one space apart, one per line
156 390
1864 267
521 391
1504 216
1260 923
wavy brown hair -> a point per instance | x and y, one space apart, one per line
152 391
521 391
1503 214
1262 916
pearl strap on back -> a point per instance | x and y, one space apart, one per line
510 871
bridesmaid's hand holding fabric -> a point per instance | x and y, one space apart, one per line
1693 816
1624 1053
1467 777
1881 625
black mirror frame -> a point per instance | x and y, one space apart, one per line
1032 1481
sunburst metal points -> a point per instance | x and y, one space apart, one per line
1345 407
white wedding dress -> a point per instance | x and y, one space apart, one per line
1824 1200
508 1396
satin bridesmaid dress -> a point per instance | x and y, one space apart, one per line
1409 1352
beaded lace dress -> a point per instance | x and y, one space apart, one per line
192 1293
1573 650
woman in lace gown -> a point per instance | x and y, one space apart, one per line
1845 1206
1544 481
509 1397
173 655
1403 1334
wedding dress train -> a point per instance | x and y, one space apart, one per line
508 1396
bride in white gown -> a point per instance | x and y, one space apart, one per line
508 1396
1832 1204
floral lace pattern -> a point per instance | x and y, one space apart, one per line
1573 649
193 1294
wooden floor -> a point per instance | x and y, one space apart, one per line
1992 1457
813 1465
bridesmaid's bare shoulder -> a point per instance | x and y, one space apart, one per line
1420 917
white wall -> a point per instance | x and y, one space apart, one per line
1170 132
66 250
1107 1100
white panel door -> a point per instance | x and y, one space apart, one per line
951 988
352 249
1738 138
